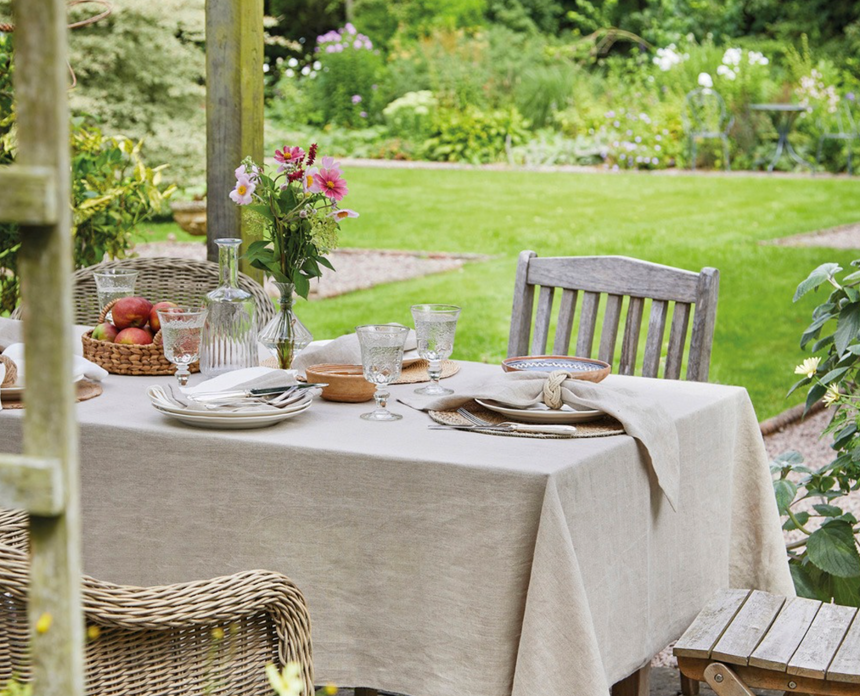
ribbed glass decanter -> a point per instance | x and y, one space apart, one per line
229 340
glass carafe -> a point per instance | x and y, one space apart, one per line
229 340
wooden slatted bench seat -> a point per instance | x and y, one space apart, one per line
747 638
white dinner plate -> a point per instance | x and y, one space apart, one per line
544 415
221 422
15 393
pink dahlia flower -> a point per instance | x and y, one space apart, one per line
331 183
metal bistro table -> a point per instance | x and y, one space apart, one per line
784 116
434 562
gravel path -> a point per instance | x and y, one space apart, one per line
358 269
842 237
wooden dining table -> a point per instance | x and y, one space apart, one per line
439 562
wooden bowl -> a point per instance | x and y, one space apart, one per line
345 383
580 368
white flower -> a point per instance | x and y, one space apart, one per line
306 70
756 58
317 65
726 71
705 80
265 67
732 56
292 62
667 57
289 72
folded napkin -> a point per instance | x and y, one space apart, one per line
345 350
244 379
81 367
643 418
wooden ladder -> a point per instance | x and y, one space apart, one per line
35 193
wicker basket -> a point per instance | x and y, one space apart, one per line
121 359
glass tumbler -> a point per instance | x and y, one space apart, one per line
114 283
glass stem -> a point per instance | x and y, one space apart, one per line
435 372
182 374
381 395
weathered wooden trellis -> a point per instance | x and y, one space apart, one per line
35 193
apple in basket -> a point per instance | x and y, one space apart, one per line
154 321
105 332
133 336
131 312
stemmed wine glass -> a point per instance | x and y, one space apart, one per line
181 328
435 325
381 359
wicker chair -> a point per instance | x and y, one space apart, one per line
184 281
166 640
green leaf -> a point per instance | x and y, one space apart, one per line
797 385
814 394
791 457
303 286
827 510
846 591
803 583
785 491
802 517
832 548
834 374
819 276
323 261
847 327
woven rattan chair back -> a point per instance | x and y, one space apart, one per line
625 284
184 281
209 637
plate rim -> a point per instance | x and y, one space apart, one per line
514 412
283 415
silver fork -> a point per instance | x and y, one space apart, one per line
473 419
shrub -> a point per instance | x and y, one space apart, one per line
475 136
412 115
345 87
411 19
544 90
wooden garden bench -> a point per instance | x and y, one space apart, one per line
747 638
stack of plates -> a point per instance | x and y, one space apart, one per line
231 420
542 414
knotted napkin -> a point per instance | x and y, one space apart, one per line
643 418
345 350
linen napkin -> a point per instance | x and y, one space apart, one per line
246 378
643 418
345 350
80 366
12 331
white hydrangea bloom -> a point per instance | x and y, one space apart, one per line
705 80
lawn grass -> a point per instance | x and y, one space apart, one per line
684 221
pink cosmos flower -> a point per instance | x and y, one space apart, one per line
356 98
331 183
288 156
242 170
242 194
342 213
309 181
330 163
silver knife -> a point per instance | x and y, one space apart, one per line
245 393
513 427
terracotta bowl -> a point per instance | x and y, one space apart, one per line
581 368
345 383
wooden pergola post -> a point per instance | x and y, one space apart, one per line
44 481
234 110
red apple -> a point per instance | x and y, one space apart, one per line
131 311
134 337
154 321
105 332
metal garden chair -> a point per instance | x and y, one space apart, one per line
626 284
705 117
844 128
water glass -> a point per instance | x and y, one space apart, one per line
181 328
381 359
113 284
435 325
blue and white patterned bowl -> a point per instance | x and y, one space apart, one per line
580 368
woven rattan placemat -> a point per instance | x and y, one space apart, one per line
413 374
86 390
604 427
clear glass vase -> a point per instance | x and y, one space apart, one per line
285 335
229 340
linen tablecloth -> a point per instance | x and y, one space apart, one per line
440 562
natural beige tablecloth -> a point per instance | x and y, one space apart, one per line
439 563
